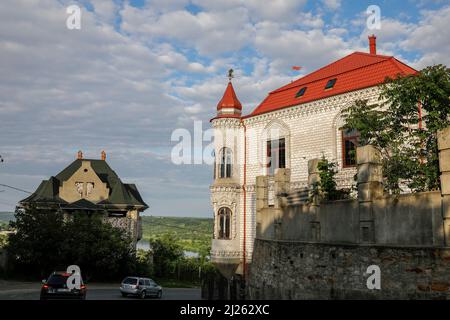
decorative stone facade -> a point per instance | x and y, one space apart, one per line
311 130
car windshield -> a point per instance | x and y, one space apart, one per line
57 279
130 281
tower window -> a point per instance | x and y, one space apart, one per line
301 92
225 163
349 144
215 164
224 220
330 83
276 155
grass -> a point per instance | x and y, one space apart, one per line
174 283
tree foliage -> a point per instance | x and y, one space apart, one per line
409 151
45 241
327 187
166 253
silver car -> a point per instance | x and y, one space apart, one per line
140 287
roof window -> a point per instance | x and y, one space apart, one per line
330 83
301 92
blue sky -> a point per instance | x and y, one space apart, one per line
137 70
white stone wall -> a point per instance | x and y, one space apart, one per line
311 130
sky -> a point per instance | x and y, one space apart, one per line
137 70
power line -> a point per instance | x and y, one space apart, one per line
14 188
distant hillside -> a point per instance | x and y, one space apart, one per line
194 234
6 216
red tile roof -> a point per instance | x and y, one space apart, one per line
356 71
229 99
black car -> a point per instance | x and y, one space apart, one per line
55 287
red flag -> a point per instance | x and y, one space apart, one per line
296 68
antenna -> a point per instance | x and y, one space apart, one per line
230 74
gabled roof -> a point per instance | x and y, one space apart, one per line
356 71
121 194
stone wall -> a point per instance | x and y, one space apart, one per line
299 270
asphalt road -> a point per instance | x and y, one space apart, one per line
30 291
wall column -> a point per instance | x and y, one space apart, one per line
443 138
282 180
314 195
262 201
370 187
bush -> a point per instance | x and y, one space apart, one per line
327 187
144 263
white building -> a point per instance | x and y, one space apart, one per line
295 123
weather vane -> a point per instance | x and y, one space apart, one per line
230 74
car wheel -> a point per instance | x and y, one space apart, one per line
124 294
143 294
159 295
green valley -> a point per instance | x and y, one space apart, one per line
193 234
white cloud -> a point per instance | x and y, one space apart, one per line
332 4
125 88
430 38
211 33
312 48
106 10
276 10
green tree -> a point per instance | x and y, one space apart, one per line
35 247
3 240
101 250
166 253
45 241
144 263
409 151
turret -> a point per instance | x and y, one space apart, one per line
226 190
229 105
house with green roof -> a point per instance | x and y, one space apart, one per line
90 185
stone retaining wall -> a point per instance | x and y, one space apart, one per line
296 270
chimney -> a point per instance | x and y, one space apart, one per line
80 155
373 44
103 155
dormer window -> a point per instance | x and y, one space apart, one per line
330 84
301 92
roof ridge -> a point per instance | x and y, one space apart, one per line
386 58
403 64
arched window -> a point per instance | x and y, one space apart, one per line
349 143
224 220
225 163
